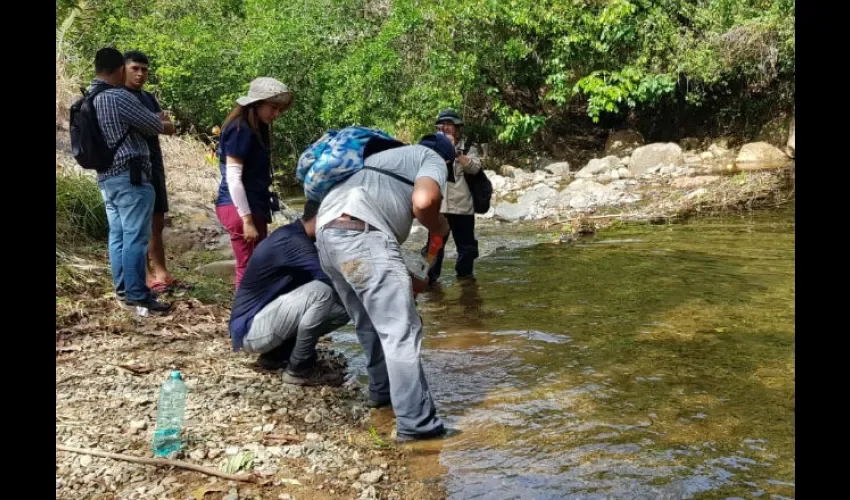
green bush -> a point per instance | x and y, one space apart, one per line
80 212
514 68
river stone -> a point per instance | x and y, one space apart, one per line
312 417
509 171
351 474
655 155
761 155
528 204
371 477
598 166
561 168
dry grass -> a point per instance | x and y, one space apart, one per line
190 176
742 191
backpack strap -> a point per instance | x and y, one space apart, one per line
391 174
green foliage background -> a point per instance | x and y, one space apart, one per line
515 68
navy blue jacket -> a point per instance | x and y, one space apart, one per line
282 262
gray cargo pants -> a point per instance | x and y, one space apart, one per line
368 272
304 314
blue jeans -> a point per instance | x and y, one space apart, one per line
129 210
368 272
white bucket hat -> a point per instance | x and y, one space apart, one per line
266 89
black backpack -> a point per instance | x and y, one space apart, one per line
481 189
87 142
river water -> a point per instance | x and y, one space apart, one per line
647 362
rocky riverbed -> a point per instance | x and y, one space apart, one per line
308 442
625 176
298 442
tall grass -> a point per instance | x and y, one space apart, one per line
80 212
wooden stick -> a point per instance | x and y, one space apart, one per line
161 462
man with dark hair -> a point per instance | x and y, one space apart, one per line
125 184
285 303
158 278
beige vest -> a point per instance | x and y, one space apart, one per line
458 199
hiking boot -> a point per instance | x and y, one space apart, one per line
313 376
371 403
270 363
410 438
150 306
277 358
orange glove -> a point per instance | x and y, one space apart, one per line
434 245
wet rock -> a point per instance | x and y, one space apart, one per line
654 155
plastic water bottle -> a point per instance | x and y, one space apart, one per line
169 417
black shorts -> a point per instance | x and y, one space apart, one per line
160 203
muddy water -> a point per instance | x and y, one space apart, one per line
650 362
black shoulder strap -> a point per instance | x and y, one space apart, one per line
391 174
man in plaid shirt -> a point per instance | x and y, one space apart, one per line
125 185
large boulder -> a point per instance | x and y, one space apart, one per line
761 156
598 166
655 155
528 205
583 194
623 142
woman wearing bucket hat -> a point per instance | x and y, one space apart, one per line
244 197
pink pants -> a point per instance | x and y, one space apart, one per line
242 250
